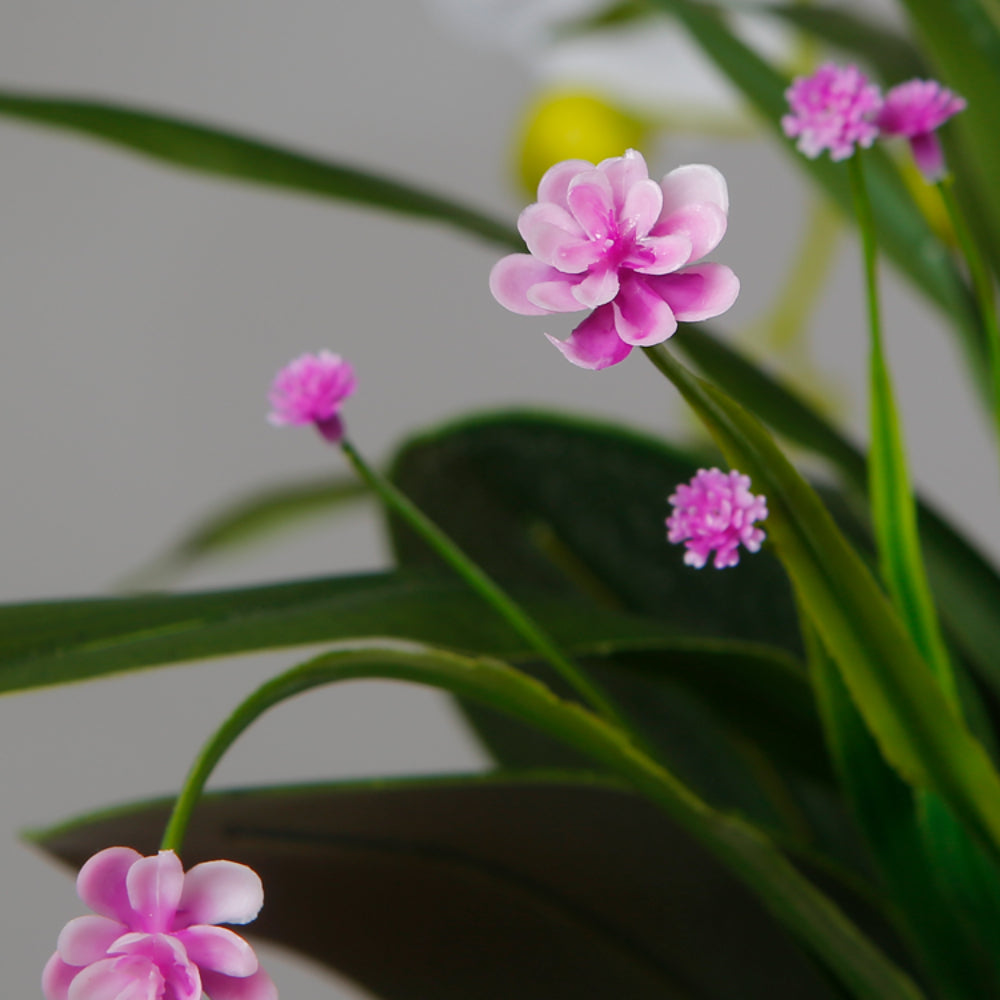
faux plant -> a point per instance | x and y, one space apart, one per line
761 766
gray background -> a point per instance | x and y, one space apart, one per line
143 313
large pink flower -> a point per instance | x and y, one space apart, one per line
152 934
608 238
917 109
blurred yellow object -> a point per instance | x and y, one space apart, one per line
928 199
565 124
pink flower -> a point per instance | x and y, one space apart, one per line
833 109
716 511
916 109
152 934
310 390
608 238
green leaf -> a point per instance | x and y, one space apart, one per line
578 508
455 879
247 520
918 731
966 588
954 951
188 144
53 642
889 52
903 232
803 910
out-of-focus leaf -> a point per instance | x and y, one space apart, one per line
211 150
245 521
54 642
890 53
528 885
917 729
903 232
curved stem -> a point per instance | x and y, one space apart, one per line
483 585
808 914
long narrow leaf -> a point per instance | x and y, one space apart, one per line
917 729
211 150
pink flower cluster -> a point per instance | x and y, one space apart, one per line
152 933
716 512
310 390
609 239
838 108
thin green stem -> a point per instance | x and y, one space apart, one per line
893 504
483 585
982 286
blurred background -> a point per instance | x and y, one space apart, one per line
144 311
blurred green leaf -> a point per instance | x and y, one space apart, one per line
535 885
211 150
886 50
917 730
247 520
54 642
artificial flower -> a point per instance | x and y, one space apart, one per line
610 239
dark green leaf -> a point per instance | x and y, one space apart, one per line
535 886
54 642
245 521
211 150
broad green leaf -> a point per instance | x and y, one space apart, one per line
534 885
890 53
207 149
53 642
954 952
917 729
578 507
245 521
904 234
819 925
966 587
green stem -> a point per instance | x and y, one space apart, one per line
893 504
511 612
982 286
804 911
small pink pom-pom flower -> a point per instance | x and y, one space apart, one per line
716 511
609 239
917 109
311 390
832 109
152 935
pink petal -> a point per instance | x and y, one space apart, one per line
595 343
703 223
56 977
555 296
218 949
642 317
642 206
552 234
597 289
592 204
221 892
928 156
87 939
555 181
154 890
693 184
513 276
101 882
659 254
256 987
132 977
698 292
623 172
